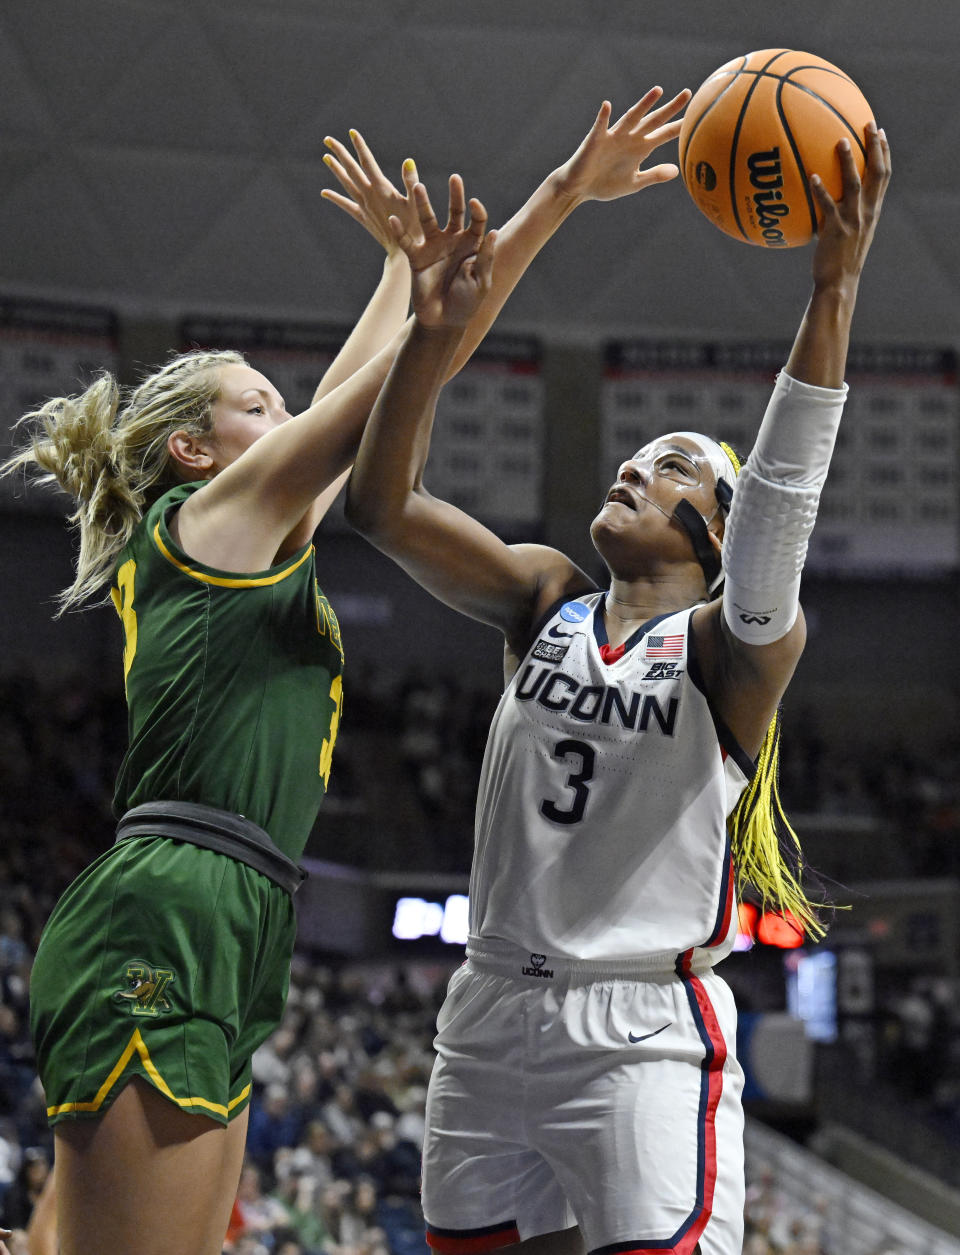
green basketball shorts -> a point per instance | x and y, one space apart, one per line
165 961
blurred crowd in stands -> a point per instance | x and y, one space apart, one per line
61 738
336 1123
337 1116
775 1226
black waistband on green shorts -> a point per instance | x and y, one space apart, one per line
212 829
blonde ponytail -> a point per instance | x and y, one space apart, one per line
110 455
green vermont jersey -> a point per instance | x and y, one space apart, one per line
233 682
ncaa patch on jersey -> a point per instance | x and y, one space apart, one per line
546 651
574 611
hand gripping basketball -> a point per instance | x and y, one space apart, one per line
755 133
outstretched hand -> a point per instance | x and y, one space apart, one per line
608 163
451 267
848 224
370 198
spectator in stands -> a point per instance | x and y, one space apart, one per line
248 1244
22 1196
270 1064
275 1121
359 1213
286 1242
297 1190
17 1071
305 1089
756 1244
410 1123
332 1206
342 1117
258 1212
316 1147
13 949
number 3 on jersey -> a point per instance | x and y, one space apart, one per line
573 752
122 597
326 751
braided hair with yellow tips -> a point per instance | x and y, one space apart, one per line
766 849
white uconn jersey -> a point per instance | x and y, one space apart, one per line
601 819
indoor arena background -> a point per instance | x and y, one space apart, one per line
160 178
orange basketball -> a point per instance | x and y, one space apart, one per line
756 131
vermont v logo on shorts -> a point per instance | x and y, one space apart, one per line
144 988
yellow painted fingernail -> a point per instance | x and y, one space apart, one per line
353 134
327 159
409 166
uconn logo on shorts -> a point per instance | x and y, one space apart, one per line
536 967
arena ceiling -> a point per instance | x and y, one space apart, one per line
165 156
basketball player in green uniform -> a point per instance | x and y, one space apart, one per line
166 962
197 495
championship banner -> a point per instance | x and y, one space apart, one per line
47 349
891 505
486 450
486 455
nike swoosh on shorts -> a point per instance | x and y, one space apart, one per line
644 1036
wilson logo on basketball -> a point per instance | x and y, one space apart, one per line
774 103
766 175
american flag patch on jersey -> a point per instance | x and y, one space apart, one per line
664 646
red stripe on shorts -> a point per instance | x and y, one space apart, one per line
711 1086
713 1069
469 1241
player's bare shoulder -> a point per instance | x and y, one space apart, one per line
552 577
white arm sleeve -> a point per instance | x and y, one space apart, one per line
774 509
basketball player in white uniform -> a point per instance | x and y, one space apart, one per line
586 1092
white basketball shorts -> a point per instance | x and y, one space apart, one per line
568 1094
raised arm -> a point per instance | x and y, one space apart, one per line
449 553
273 498
819 353
753 640
372 201
607 165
